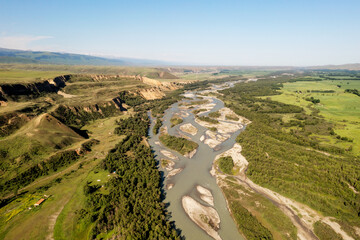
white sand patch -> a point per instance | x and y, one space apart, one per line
206 218
174 172
337 228
183 114
238 159
65 95
169 155
180 134
169 164
208 106
169 186
205 195
213 139
212 143
222 127
227 111
357 231
189 95
189 128
190 154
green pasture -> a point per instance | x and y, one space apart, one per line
340 108
26 76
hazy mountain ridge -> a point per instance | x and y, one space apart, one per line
21 56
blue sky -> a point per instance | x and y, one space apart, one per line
243 32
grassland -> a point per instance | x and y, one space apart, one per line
84 92
286 157
340 108
263 216
86 103
175 120
83 69
26 76
41 135
218 73
66 193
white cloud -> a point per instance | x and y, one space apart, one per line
20 42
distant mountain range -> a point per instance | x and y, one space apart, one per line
350 66
42 57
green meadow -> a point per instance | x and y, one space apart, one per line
26 76
339 108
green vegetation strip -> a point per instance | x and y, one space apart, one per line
179 144
215 114
175 121
232 117
208 119
281 157
157 126
226 164
325 232
132 207
199 111
248 224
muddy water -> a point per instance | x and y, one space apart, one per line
196 171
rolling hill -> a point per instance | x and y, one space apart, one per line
42 57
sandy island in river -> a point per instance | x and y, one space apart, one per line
169 154
205 195
174 172
224 127
206 218
189 128
167 164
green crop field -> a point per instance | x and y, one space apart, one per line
48 70
26 76
340 108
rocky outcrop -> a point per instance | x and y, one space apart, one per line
107 77
78 116
18 91
10 122
152 93
164 86
32 90
118 104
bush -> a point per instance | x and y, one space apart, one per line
179 144
226 164
207 119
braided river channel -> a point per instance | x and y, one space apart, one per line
195 171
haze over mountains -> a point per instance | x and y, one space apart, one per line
43 57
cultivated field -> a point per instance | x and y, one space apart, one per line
338 107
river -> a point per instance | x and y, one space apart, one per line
196 171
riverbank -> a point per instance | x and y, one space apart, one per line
301 216
194 180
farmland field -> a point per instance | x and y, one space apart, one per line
339 108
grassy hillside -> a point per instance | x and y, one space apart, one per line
38 156
37 140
